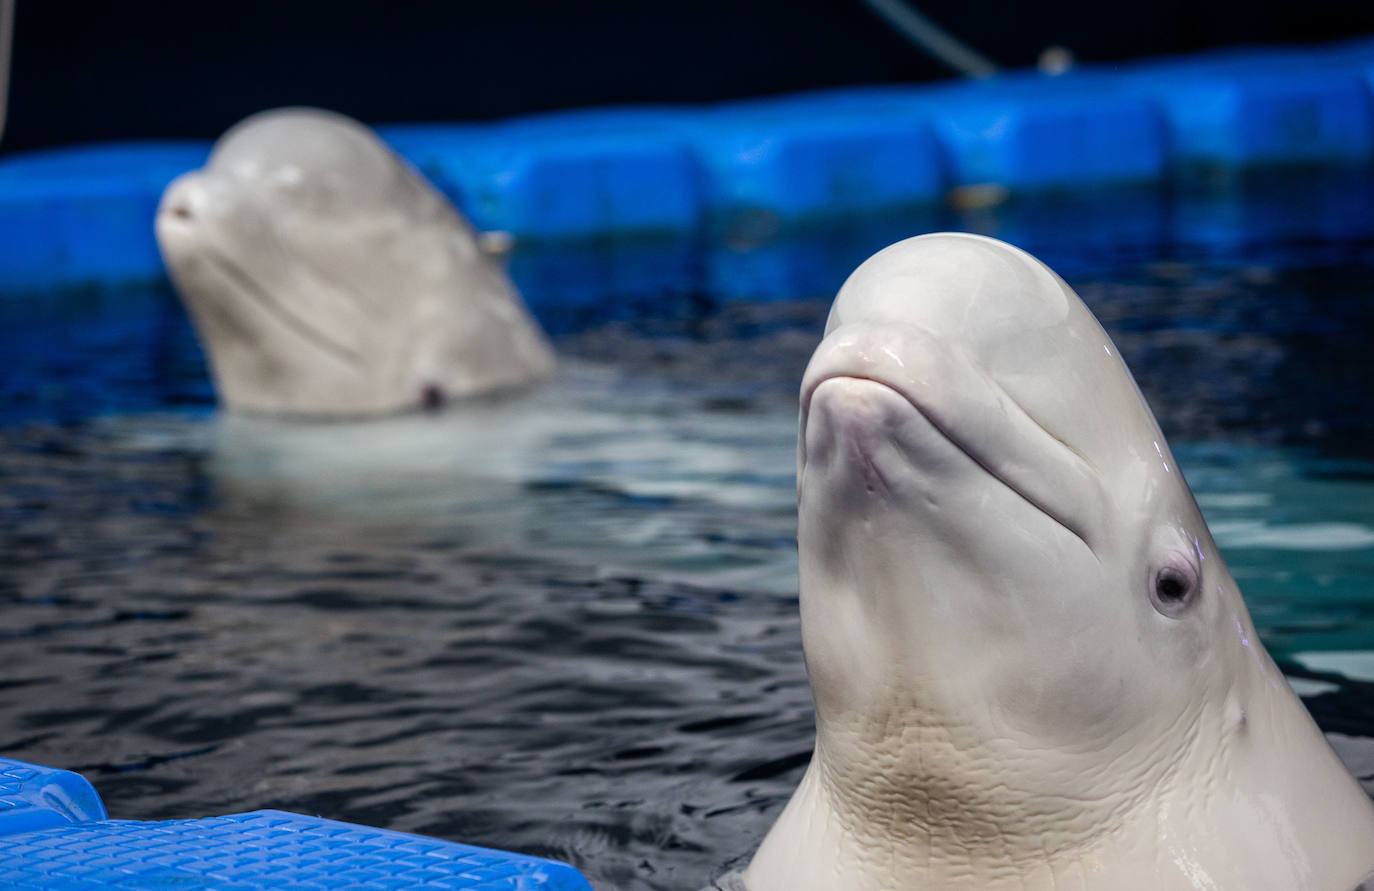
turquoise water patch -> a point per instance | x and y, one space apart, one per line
1355 665
1299 538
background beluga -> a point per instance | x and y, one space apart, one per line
327 278
1031 667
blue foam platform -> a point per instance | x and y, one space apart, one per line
54 835
33 797
740 172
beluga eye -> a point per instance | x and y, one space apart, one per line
1174 588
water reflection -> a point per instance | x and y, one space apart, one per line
615 470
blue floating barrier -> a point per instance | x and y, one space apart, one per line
796 162
148 164
1306 120
72 217
1021 131
65 843
1252 109
577 174
742 172
1035 132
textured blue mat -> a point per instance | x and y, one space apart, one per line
84 215
34 797
56 836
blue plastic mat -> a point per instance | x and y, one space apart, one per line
33 797
56 836
85 215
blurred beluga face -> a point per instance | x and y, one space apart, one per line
326 277
999 559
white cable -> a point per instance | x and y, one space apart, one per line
931 38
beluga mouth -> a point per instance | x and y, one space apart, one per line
968 409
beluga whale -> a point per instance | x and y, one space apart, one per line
327 278
1031 667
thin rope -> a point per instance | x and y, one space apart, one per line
931 39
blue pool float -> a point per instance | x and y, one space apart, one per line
56 835
734 173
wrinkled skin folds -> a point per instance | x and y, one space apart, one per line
1031 667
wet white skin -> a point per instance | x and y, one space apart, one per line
327 278
1031 668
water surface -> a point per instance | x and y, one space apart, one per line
568 625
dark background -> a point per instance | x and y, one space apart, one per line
159 69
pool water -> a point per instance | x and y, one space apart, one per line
567 624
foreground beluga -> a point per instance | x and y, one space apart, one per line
327 278
1031 668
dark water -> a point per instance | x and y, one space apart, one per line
568 626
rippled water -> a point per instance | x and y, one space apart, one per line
568 625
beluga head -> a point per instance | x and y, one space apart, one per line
1031 667
325 277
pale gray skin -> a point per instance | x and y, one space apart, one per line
326 278
1007 695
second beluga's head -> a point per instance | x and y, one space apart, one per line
325 277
